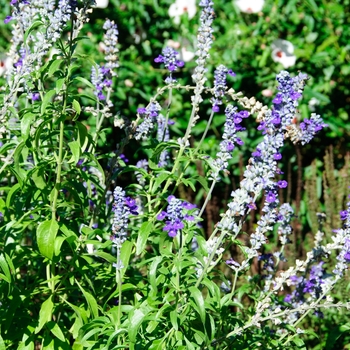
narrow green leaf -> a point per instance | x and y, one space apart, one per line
46 234
159 180
45 314
142 237
5 268
34 25
173 319
125 253
13 190
135 322
153 273
54 66
26 122
82 135
298 342
75 149
85 82
90 300
59 84
76 106
46 100
38 177
108 257
56 330
199 301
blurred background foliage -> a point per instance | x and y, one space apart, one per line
318 34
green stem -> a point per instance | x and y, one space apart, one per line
207 198
205 131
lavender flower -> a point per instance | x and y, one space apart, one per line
307 289
171 63
111 47
342 240
220 85
309 127
122 208
141 164
204 39
232 125
176 214
149 114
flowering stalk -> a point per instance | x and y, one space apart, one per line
204 39
122 208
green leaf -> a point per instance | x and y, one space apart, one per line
159 180
2 343
59 84
46 100
125 253
54 66
143 234
90 300
82 135
76 106
85 82
135 322
38 177
13 190
298 342
45 314
75 149
46 234
108 257
199 302
5 268
34 25
153 273
26 122
56 330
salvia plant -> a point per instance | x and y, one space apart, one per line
98 253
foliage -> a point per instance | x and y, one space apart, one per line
98 251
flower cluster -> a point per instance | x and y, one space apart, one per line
176 213
205 40
220 85
342 239
306 288
232 125
122 208
101 77
149 115
309 127
171 63
111 46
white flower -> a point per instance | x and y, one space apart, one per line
5 65
179 7
282 52
101 4
250 6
